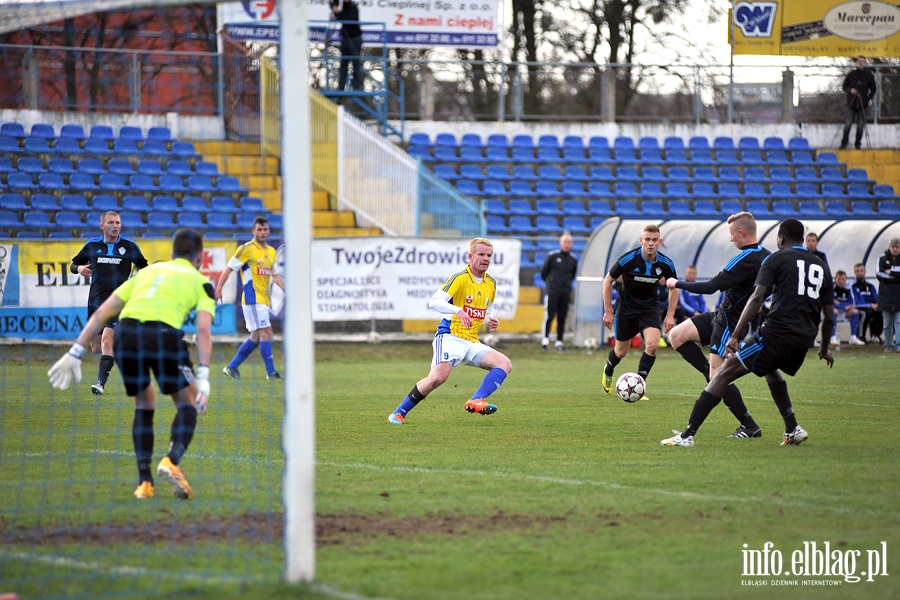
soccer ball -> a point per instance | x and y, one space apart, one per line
631 387
591 344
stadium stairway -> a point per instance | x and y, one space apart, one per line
260 175
882 165
529 316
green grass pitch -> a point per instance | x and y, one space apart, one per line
563 493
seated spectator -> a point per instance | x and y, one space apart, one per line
689 304
865 297
844 309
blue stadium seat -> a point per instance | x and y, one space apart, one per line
130 132
627 173
798 143
45 202
599 189
648 143
626 155
142 183
220 221
521 154
110 183
523 173
677 190
244 220
13 130
548 141
494 154
751 157
652 208
701 157
574 207
32 166
496 225
160 134
575 225
832 175
174 167
883 191
858 176
651 189
777 157
729 190
9 220
862 208
705 175
748 143
210 169
802 157
493 206
573 189
809 208
69 221
448 154
14 202
858 191
135 203
223 204
888 208
197 184
252 204
575 173
467 171
67 146
755 190
156 148
807 191
35 145
103 133
679 208
602 174
548 155
37 220
194 220
599 141
470 154
773 143
420 139
74 203
759 208
833 191
500 172
545 224
494 189
104 202
43 130
165 204
600 208
9 145
445 139
468 187
30 235
600 155
727 157
60 235
730 207
651 157
624 189
6 167
521 224
723 143
806 175
703 189
673 143
546 189
549 173
71 131
780 174
63 166
125 147
783 208
228 185
623 142
471 139
522 141
698 142
835 208
781 190
91 166
755 175
498 139
448 172
626 208
95 147
730 175
573 141
573 155
52 183
422 152
160 222
676 157
679 174
705 208
824 158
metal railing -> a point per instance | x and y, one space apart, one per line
57 78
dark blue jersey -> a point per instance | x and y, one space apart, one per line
111 264
640 279
864 293
801 286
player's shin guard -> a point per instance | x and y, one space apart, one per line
243 352
783 402
490 384
645 364
106 365
733 399
693 354
265 349
411 400
142 436
182 432
611 362
702 407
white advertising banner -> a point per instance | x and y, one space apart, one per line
394 278
454 23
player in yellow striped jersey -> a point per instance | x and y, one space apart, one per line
465 301
255 261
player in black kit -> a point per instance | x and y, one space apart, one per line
559 270
108 261
736 280
803 293
642 271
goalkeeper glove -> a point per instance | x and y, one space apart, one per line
202 389
67 368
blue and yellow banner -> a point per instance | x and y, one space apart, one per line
821 28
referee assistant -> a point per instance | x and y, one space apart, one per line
152 307
559 270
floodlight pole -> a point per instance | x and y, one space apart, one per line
298 428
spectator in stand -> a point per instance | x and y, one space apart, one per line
347 13
859 85
865 297
889 294
812 244
689 303
843 303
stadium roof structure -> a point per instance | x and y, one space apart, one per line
22 14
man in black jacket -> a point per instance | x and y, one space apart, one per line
559 270
889 294
859 85
347 12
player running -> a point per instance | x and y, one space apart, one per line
466 301
108 260
152 307
803 293
257 264
642 271
736 280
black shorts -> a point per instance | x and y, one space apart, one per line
92 308
629 323
705 323
763 356
144 347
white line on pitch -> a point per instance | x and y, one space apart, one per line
802 401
